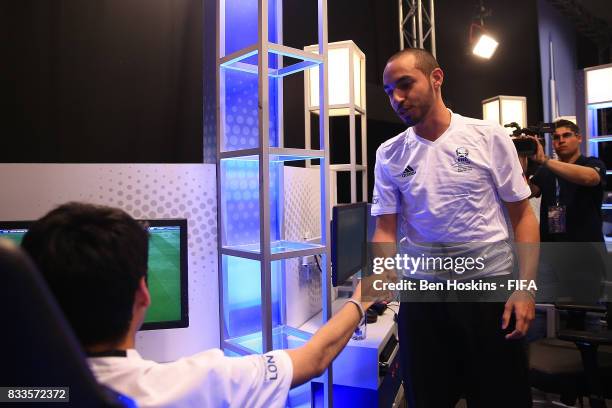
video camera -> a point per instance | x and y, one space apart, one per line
525 146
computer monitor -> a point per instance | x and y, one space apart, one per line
348 241
167 277
14 230
167 270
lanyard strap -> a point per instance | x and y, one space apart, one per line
557 191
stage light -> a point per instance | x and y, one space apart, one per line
485 46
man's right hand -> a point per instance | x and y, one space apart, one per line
368 292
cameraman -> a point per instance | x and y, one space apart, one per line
571 189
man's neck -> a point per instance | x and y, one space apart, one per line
435 124
125 344
570 159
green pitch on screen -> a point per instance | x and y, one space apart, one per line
164 273
15 237
164 276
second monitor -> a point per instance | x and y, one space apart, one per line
349 234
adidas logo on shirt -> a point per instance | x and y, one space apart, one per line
408 171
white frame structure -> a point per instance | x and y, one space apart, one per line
591 105
501 99
352 108
266 251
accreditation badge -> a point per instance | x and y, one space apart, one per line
556 219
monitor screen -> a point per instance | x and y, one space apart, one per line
167 270
167 277
348 241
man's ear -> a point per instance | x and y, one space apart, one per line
437 77
142 296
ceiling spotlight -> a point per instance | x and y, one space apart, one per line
485 46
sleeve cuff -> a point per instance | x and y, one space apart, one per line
517 197
383 210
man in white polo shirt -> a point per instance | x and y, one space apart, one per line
94 260
447 178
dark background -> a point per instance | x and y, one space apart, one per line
124 80
101 81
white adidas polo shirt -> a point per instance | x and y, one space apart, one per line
450 190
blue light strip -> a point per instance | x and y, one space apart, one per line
599 139
239 57
609 172
274 73
300 66
298 54
606 206
307 61
602 105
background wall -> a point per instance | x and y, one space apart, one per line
105 81
144 191
552 26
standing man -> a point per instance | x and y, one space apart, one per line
571 188
570 211
448 178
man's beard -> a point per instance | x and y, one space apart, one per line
422 111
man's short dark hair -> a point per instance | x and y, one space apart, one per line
568 124
424 61
92 258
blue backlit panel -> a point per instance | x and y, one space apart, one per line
282 338
240 201
241 23
242 295
239 114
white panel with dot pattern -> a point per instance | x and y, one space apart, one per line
170 191
302 211
145 191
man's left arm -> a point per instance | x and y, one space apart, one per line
527 238
512 188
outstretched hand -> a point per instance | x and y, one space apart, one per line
523 306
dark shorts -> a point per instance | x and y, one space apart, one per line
450 351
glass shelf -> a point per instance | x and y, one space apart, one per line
283 337
346 167
279 250
245 60
276 154
339 110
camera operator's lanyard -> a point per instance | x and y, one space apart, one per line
556 213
